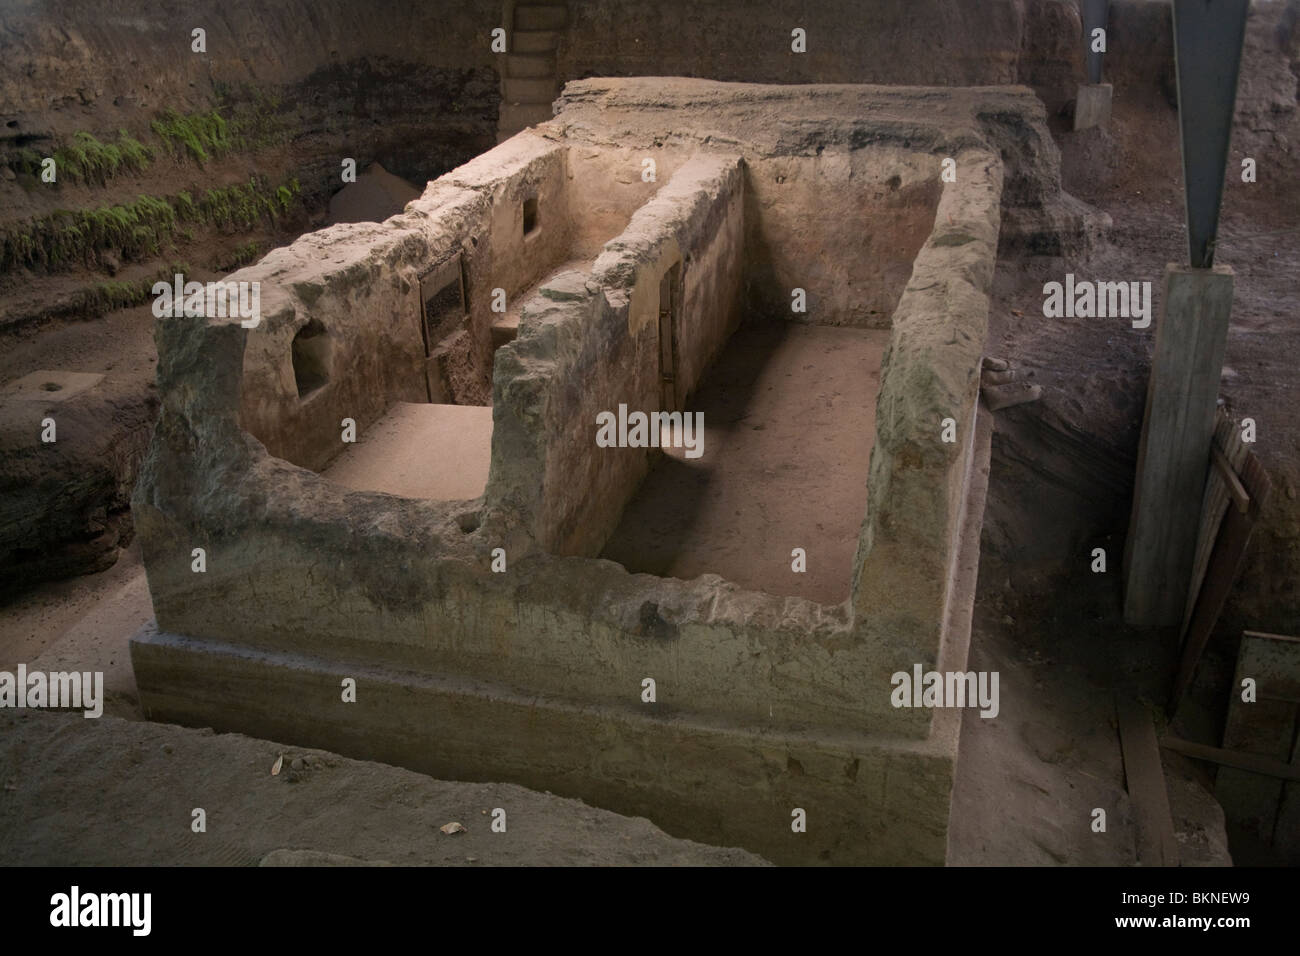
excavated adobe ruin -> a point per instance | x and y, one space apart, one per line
455 561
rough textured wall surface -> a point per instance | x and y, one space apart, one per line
844 225
929 378
123 54
905 42
414 87
357 285
73 493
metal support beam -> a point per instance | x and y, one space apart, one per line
1208 37
1174 453
1096 14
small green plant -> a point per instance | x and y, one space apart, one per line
105 297
85 159
135 155
141 229
185 208
201 135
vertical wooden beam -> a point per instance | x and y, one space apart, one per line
1174 454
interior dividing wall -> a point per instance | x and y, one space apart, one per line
402 312
582 352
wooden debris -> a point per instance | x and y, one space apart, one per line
1156 844
1251 763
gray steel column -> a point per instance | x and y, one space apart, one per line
1096 13
1208 37
1192 330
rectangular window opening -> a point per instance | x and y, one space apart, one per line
530 215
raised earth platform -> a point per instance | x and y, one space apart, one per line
486 639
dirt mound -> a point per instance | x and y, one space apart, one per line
376 195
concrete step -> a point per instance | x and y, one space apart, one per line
530 65
539 17
515 90
534 41
514 118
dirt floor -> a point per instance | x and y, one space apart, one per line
110 792
425 450
67 783
779 470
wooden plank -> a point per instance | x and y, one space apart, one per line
1286 832
1226 559
1237 759
1225 563
1174 450
1227 439
1235 488
1156 844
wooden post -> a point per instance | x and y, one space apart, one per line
1174 455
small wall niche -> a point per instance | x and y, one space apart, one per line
530 215
311 358
442 302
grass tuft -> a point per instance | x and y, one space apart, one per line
201 135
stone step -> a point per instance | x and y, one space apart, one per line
540 17
505 330
530 65
534 41
516 90
513 118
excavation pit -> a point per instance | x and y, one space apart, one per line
487 638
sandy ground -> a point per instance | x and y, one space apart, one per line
117 790
82 624
779 470
111 792
420 451
1029 781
